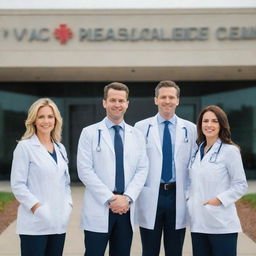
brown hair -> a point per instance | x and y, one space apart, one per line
224 133
167 84
116 86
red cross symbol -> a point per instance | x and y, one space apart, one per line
63 33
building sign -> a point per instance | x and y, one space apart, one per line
64 33
160 34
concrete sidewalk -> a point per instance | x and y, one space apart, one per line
9 241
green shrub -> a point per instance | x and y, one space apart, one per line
251 199
5 198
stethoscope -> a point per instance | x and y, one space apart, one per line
65 158
98 148
215 154
149 126
186 134
213 157
184 128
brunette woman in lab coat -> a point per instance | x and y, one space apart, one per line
40 182
217 181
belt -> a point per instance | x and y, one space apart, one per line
168 186
117 193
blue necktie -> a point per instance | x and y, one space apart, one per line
167 154
118 145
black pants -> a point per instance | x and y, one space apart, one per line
214 244
119 237
42 245
164 224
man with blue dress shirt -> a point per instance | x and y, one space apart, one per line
161 207
113 165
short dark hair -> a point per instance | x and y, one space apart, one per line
116 86
167 83
224 133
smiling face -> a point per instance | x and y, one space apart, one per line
167 101
116 105
45 121
210 126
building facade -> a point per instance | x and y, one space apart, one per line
70 56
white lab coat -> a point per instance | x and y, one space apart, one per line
147 201
224 179
36 177
97 172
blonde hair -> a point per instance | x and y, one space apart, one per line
32 114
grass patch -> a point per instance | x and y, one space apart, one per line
251 199
5 198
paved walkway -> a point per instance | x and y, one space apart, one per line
9 242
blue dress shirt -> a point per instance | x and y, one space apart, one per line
110 125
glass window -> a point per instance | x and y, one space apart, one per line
240 106
81 104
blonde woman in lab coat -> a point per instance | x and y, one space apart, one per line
217 181
40 182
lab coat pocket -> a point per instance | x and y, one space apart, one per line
216 216
42 217
66 214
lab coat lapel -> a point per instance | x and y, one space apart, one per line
128 147
105 135
179 137
214 149
35 142
60 156
155 133
127 140
215 146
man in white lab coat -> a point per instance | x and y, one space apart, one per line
113 165
161 207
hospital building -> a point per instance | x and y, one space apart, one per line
70 55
